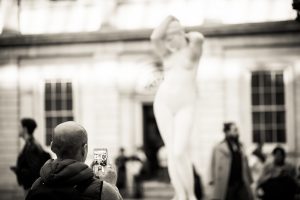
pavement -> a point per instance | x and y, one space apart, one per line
157 190
153 190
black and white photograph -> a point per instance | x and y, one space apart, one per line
150 99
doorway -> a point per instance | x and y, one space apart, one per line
152 142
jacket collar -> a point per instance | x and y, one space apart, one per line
224 148
65 172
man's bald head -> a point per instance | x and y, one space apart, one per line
68 141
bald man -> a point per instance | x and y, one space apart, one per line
69 143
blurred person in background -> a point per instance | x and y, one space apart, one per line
31 158
175 100
120 162
230 173
198 187
257 161
163 164
68 177
278 179
137 165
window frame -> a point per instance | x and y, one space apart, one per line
57 112
262 108
288 78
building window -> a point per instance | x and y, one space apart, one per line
268 106
58 104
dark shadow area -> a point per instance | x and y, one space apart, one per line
152 143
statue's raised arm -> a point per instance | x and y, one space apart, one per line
158 36
195 40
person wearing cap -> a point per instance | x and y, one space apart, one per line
70 144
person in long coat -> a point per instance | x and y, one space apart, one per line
230 173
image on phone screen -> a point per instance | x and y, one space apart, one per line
100 159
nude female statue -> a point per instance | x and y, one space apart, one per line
175 100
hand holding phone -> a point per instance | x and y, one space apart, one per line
109 175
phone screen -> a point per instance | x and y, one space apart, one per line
100 159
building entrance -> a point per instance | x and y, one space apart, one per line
152 141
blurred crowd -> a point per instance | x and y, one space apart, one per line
234 174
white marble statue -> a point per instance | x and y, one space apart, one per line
175 100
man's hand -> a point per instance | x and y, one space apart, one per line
108 174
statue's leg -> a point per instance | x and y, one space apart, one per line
165 122
184 121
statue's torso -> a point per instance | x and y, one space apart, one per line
179 84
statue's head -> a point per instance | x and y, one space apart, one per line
175 37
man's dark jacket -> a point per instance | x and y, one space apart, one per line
62 173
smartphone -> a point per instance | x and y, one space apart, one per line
100 159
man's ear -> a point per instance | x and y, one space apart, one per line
85 150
